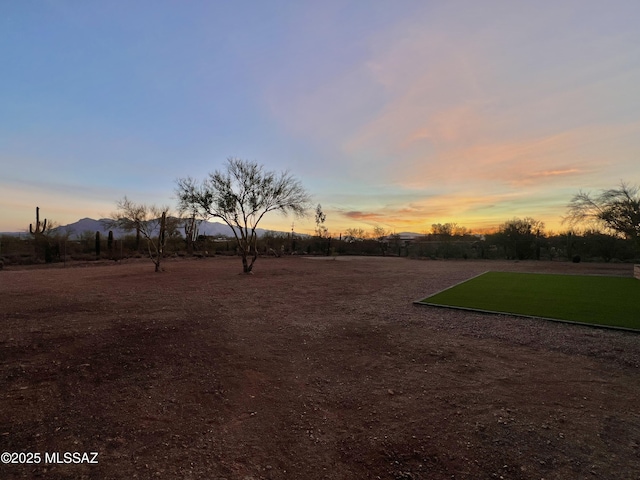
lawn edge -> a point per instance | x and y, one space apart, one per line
520 315
453 286
533 317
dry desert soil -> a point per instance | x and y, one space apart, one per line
309 368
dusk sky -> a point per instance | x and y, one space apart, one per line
392 113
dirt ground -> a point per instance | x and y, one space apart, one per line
314 369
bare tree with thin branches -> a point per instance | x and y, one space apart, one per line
148 221
241 196
381 235
617 210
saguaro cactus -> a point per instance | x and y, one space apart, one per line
40 228
97 243
39 241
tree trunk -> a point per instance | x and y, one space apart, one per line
190 234
245 246
161 239
253 259
246 268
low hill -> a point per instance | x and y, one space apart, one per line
76 229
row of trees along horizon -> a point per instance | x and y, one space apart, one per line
602 227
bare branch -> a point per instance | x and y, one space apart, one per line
148 220
241 196
616 210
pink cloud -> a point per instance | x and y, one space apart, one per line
365 216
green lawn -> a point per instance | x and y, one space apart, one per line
610 301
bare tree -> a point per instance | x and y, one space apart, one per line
616 209
148 221
449 230
241 196
443 230
354 235
381 235
322 232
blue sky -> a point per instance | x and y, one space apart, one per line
393 113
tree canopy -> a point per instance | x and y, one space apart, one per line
241 196
149 221
616 210
521 237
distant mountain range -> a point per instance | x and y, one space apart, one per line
76 229
210 229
